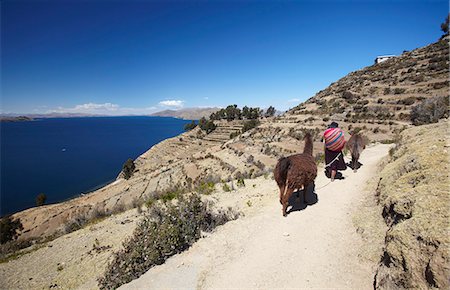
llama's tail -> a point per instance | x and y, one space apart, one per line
308 149
282 169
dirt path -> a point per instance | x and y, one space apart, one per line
316 247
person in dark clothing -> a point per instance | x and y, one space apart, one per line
334 142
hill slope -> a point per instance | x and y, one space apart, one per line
380 97
414 193
187 113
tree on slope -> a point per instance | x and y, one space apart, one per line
445 24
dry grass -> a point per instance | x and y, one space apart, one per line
413 192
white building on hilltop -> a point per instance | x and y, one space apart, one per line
382 58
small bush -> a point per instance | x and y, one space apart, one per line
163 232
226 187
205 188
190 126
149 202
76 223
207 125
407 102
9 249
168 196
40 199
9 229
248 125
430 111
240 182
399 91
128 168
234 134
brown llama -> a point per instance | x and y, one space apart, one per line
295 172
356 145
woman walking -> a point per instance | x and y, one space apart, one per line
334 143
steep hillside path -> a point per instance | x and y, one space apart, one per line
316 247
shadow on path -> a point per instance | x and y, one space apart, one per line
358 165
301 199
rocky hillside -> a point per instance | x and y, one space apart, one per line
414 193
379 98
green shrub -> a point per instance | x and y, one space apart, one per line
250 124
226 187
163 232
205 188
206 125
169 195
190 126
40 199
240 182
128 168
149 202
9 229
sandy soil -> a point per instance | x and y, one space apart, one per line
72 261
313 247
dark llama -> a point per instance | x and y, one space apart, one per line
355 145
295 172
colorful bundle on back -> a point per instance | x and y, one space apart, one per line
334 139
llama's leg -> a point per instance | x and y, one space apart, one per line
286 197
282 190
283 194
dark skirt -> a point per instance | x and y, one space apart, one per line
338 164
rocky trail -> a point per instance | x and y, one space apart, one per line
315 246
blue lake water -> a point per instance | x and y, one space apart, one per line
65 157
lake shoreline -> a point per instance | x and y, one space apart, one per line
98 161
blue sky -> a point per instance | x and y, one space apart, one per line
138 57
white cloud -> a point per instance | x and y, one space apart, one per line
172 103
103 109
294 100
93 107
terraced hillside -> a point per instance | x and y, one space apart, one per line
380 97
223 131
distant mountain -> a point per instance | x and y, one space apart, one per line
48 115
15 119
187 114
